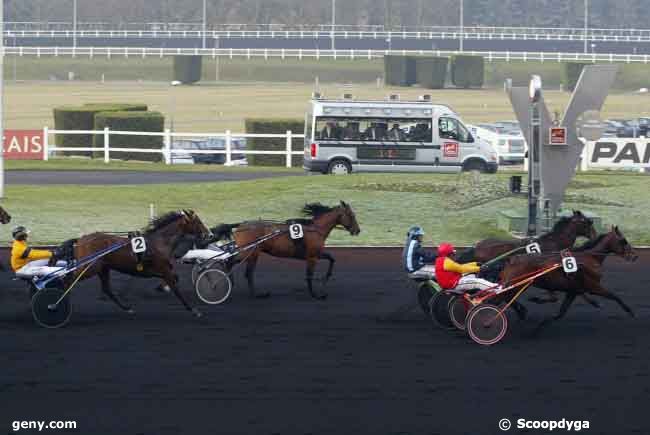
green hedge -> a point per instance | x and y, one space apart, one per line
570 74
399 70
467 71
83 118
187 69
431 72
132 121
273 126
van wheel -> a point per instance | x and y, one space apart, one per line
339 167
475 165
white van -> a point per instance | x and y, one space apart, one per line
346 135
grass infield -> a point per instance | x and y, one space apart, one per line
456 208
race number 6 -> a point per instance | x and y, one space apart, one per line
295 231
138 245
533 248
569 264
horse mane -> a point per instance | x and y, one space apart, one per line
590 244
315 209
163 220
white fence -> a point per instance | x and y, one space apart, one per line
283 53
167 151
195 30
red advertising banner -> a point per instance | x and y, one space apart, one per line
23 145
557 135
450 149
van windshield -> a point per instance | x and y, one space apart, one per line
373 129
451 128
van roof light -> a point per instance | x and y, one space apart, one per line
347 96
393 97
425 97
315 95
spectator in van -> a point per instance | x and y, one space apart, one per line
370 133
381 131
331 131
447 129
351 131
420 133
396 134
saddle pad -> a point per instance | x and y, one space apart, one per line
203 255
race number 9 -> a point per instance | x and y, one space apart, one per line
138 245
295 231
533 248
569 264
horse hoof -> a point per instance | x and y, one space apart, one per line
196 313
163 288
130 311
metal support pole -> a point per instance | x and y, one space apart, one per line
586 24
462 25
74 23
205 19
2 132
333 25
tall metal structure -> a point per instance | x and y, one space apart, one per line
2 131
551 167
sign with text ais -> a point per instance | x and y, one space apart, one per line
23 144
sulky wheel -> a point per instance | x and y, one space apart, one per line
458 308
486 324
213 286
50 308
425 293
439 310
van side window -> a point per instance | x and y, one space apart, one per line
450 128
343 129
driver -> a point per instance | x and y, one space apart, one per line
462 277
24 258
416 259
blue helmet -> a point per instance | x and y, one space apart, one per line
414 232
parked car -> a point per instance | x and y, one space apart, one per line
506 139
209 144
215 143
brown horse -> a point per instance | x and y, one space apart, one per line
590 258
5 217
309 248
162 237
562 236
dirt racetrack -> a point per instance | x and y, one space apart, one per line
292 365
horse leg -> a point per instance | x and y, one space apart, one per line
251 265
592 302
105 279
601 291
329 257
521 310
566 303
171 279
311 265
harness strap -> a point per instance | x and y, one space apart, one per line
25 254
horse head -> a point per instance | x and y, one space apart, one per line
348 219
5 217
191 224
618 244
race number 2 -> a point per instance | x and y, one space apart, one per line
295 231
533 248
138 245
569 264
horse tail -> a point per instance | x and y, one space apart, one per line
224 231
467 255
